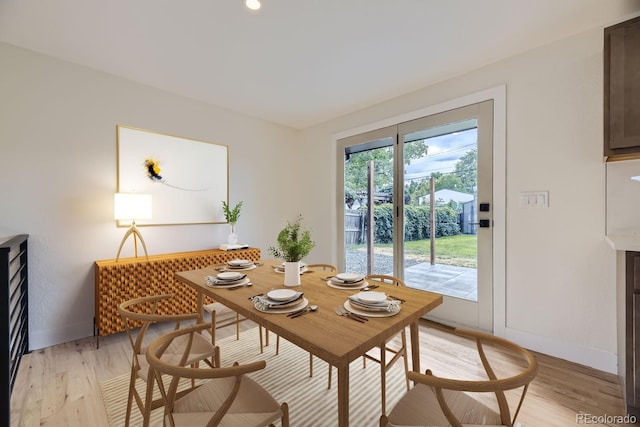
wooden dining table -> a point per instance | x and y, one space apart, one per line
338 340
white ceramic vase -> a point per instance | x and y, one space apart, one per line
292 273
232 238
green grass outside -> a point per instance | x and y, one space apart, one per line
460 250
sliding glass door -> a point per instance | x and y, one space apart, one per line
430 206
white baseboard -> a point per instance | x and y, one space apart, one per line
594 358
48 337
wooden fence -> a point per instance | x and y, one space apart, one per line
354 227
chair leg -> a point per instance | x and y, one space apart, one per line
213 327
406 358
132 385
310 365
261 345
330 370
383 378
148 398
285 414
277 344
237 327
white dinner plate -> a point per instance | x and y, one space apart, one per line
349 277
229 275
335 285
281 294
371 296
240 267
234 284
290 309
239 262
349 307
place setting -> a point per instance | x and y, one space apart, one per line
280 301
238 265
347 281
372 304
228 279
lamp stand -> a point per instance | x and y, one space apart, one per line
133 230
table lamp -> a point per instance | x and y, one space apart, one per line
129 207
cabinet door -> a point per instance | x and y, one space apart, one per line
622 88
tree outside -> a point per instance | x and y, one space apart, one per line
457 249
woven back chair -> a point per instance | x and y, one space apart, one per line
138 315
437 401
219 390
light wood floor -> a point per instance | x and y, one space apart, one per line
60 385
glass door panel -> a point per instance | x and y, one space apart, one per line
447 196
440 193
368 162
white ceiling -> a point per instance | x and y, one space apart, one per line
296 62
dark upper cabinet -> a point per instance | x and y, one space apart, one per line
622 88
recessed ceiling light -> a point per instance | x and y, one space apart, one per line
253 4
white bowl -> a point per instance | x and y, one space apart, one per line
281 294
238 262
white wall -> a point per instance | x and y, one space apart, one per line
560 272
58 168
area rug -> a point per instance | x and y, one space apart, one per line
286 377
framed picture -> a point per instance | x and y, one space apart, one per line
188 179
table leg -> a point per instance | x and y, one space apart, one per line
200 307
343 395
415 346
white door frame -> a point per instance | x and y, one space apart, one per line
498 94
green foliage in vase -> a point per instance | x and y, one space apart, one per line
231 215
294 243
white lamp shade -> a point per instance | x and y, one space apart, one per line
131 206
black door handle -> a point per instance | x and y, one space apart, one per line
484 223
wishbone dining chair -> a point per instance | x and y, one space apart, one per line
224 396
438 401
138 314
222 316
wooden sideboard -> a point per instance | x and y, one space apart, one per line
129 278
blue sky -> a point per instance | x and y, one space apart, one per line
444 152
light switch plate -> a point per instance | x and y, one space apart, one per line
534 199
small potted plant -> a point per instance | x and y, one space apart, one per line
232 215
294 244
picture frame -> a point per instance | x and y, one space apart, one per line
187 178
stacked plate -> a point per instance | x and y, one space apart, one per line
280 301
347 281
280 268
372 304
228 279
240 264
